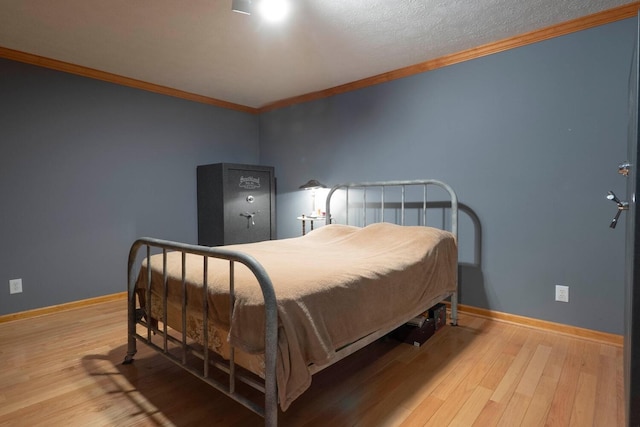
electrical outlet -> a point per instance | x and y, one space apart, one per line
562 293
15 286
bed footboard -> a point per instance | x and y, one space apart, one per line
152 333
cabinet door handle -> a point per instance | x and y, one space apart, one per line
249 216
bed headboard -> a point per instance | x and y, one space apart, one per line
400 202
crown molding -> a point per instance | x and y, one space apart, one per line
79 70
608 16
568 27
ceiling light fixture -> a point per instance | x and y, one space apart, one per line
273 10
241 6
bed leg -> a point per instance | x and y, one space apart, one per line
132 318
131 344
128 360
454 309
131 348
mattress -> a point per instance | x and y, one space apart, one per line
334 286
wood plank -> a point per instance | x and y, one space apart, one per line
465 363
496 372
65 368
542 398
585 401
449 409
459 386
540 403
620 415
606 394
529 381
490 414
423 412
565 394
472 407
435 361
503 392
515 410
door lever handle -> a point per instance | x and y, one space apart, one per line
612 196
622 206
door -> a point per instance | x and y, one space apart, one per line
248 206
632 264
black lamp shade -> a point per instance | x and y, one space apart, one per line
311 184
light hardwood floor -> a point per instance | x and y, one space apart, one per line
65 369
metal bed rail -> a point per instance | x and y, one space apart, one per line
403 205
143 317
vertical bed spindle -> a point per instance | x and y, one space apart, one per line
424 205
402 205
165 291
382 205
205 316
444 217
232 349
184 308
346 207
364 207
147 304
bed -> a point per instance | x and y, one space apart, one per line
273 313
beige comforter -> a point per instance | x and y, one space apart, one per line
335 285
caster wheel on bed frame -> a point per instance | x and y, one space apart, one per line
128 360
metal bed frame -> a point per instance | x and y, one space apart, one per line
185 349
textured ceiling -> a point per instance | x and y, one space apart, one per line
202 47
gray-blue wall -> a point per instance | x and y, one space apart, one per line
86 167
530 139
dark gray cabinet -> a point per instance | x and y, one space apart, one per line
236 204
